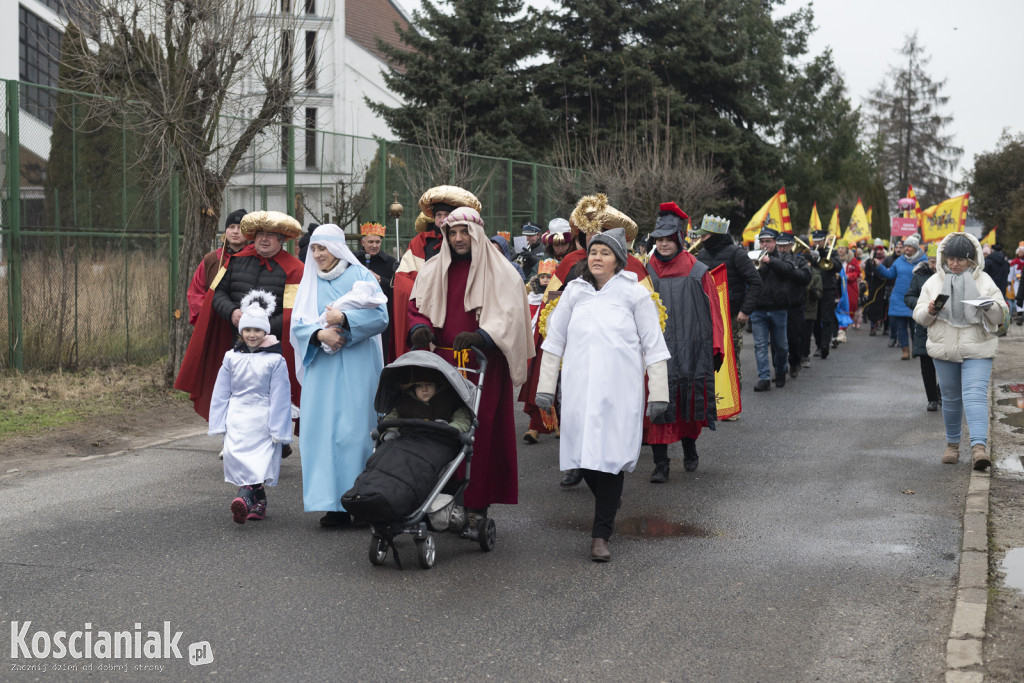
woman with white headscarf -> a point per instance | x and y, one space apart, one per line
962 308
338 362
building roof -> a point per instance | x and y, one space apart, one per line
367 20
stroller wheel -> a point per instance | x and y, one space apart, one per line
426 551
487 534
378 550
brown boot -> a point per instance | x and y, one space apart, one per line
599 550
952 454
981 459
531 436
906 353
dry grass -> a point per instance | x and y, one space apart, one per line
36 402
85 306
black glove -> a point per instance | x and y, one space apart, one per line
421 337
718 361
463 340
656 409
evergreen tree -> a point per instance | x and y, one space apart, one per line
996 184
463 68
906 114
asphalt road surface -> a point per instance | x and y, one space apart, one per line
818 540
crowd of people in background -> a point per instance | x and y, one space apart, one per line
613 339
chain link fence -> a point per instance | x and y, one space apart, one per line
86 269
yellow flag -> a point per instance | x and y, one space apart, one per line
943 218
917 205
869 218
858 229
774 214
815 221
990 238
833 224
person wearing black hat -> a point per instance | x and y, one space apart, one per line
797 299
530 256
769 320
832 276
234 241
693 334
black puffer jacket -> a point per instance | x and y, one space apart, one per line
744 282
998 268
244 275
779 277
922 271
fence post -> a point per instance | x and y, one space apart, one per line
509 191
382 186
172 290
16 326
536 203
289 182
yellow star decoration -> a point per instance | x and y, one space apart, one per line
542 321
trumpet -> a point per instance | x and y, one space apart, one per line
827 263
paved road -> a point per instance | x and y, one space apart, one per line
795 553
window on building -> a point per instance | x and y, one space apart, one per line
310 6
286 5
311 158
39 50
311 60
286 53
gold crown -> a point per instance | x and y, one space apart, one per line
372 229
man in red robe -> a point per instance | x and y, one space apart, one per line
261 265
435 205
471 295
206 271
694 333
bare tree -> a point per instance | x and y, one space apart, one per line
638 173
195 82
347 199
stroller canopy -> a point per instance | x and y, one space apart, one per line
393 376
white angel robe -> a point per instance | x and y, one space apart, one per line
251 407
606 338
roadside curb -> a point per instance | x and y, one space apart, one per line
966 644
159 442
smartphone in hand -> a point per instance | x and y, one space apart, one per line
940 301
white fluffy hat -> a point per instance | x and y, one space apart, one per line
257 307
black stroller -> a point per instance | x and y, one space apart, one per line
407 485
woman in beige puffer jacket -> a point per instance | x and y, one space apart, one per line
962 340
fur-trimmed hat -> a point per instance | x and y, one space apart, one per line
270 221
449 195
257 307
234 217
593 215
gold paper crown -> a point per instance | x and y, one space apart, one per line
448 194
372 229
270 221
423 222
548 266
593 214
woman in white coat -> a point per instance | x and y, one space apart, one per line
603 333
962 309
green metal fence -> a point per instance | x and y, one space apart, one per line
88 250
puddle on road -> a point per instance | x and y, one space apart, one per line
658 527
1015 420
1013 566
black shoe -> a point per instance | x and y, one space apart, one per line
794 370
660 474
872 333
835 343
933 406
571 478
817 352
892 343
335 519
762 385
780 380
286 450
690 464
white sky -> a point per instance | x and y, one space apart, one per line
976 46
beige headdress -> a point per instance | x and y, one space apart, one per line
270 221
447 194
593 214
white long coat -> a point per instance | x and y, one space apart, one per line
606 338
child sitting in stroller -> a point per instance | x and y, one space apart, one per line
428 396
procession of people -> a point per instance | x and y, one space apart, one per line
610 347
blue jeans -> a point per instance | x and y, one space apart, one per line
770 330
964 388
901 323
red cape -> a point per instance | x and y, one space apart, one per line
402 290
213 337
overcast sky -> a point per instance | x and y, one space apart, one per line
976 46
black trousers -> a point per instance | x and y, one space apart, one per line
794 335
825 325
931 384
607 490
805 342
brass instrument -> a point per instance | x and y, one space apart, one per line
827 263
801 243
757 261
694 248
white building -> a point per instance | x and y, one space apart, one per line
335 54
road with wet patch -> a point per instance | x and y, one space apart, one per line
819 539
